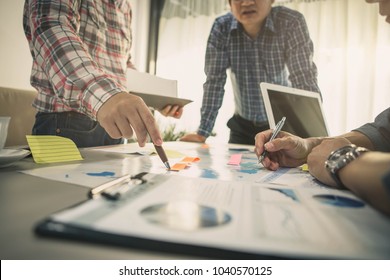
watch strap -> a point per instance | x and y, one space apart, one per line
343 156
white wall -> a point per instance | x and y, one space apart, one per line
15 58
140 26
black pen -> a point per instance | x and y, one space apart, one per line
275 133
163 156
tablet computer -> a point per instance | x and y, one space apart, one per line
303 110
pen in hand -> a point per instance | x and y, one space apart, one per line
275 133
161 153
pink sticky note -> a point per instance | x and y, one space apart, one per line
235 159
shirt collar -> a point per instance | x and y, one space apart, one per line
269 23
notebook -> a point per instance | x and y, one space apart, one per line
303 110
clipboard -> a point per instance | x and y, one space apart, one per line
53 229
224 219
159 101
157 92
73 230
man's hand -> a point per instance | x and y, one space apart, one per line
123 114
316 159
174 111
193 138
286 150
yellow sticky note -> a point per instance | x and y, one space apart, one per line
173 153
305 167
50 148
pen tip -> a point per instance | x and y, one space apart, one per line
167 165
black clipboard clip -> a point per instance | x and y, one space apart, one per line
114 189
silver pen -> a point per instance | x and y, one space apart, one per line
275 133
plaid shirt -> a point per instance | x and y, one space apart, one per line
80 50
281 54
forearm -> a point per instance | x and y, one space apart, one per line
216 63
364 177
303 71
313 142
212 100
213 92
355 137
359 139
207 122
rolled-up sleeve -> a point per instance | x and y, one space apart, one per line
378 131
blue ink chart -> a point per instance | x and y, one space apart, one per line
212 165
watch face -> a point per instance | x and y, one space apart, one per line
340 158
337 159
331 165
340 153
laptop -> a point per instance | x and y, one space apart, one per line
302 109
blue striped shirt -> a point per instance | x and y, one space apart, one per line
281 54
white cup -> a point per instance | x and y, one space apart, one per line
4 122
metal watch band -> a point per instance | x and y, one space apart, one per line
340 158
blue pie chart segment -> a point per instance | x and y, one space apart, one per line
339 201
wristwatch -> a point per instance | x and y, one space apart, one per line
340 158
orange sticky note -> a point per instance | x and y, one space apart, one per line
178 166
190 159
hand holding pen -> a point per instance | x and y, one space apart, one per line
275 133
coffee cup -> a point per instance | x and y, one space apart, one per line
4 122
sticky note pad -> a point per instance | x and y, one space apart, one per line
184 163
235 159
173 154
50 149
178 166
190 159
305 167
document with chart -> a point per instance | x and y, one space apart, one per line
238 208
